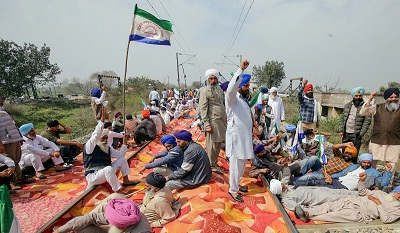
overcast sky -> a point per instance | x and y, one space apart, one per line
354 41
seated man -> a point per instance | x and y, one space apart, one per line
130 125
169 160
34 152
195 169
120 214
306 196
159 205
348 178
310 145
338 163
68 149
97 160
367 206
146 130
166 117
113 137
184 109
289 141
7 168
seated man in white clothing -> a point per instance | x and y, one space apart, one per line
97 160
36 150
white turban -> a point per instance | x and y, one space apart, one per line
275 186
265 96
211 72
273 89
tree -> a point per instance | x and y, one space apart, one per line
22 68
390 84
196 84
270 75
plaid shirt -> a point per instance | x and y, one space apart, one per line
336 164
306 107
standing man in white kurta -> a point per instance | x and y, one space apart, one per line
239 146
277 107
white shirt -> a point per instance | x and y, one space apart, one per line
154 95
351 179
36 146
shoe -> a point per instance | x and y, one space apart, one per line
61 170
15 186
42 177
238 198
26 180
73 160
243 189
301 214
216 170
68 165
131 184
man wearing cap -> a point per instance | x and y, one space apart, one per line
97 156
159 205
277 107
213 116
353 126
113 137
120 214
338 163
34 152
146 130
367 206
98 100
239 145
154 96
169 160
68 149
195 169
385 138
348 178
308 106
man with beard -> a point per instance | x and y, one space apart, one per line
277 107
213 116
385 139
97 160
146 130
159 205
348 178
195 169
338 163
34 153
308 106
367 206
239 146
353 126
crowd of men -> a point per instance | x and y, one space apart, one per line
343 187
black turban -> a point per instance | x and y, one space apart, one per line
391 91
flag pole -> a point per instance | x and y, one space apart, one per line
124 86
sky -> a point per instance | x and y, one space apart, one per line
348 42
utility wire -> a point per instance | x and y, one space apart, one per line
237 24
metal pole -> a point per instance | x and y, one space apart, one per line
240 57
177 68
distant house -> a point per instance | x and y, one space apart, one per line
77 97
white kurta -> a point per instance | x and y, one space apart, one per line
239 129
278 110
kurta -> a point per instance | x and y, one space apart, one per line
239 129
357 209
277 109
311 196
213 112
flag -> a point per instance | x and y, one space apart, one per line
8 219
299 135
176 94
143 103
147 28
321 152
223 78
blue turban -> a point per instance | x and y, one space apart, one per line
168 139
391 91
183 135
224 85
356 90
265 96
264 90
365 156
258 148
95 92
24 129
397 189
245 79
290 128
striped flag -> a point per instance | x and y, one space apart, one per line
8 219
299 134
176 94
143 103
321 152
146 28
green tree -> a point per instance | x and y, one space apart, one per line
390 84
270 75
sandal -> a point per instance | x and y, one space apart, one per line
301 214
243 189
238 198
42 177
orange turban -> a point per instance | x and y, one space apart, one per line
146 113
308 87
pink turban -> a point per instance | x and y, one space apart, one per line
122 212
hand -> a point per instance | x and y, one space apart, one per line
103 88
372 95
80 146
305 81
57 154
350 144
374 199
244 64
166 179
340 134
103 114
2 149
388 167
363 176
264 170
208 129
263 113
328 179
10 171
